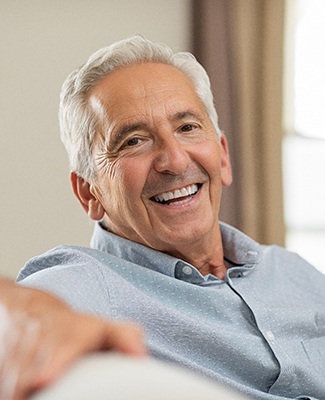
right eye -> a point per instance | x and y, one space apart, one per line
132 142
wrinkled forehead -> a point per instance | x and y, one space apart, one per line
139 89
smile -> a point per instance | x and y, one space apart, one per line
169 197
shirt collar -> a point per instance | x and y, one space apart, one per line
131 251
238 248
241 253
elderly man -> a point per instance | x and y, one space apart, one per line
148 163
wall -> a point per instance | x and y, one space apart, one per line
41 42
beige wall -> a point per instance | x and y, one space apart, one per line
41 42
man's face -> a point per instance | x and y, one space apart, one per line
159 164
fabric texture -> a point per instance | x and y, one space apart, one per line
261 330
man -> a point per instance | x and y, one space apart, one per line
148 163
34 324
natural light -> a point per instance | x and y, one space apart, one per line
304 146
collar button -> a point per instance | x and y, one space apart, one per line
187 270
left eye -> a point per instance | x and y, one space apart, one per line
187 128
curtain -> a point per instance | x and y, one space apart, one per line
240 43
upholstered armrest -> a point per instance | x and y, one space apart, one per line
110 376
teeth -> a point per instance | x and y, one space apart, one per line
185 191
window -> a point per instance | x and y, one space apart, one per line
304 118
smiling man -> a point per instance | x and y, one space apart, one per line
148 163
159 165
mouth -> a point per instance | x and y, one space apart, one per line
179 195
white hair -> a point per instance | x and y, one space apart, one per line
78 122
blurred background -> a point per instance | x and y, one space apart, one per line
266 63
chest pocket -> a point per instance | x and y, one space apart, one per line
315 350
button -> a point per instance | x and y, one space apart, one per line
187 270
269 336
251 253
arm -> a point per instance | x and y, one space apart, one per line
42 336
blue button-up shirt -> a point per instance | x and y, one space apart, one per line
261 330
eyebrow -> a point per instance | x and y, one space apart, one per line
186 114
125 130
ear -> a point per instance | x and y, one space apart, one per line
87 199
226 173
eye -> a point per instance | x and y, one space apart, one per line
187 128
132 142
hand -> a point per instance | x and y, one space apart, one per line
41 336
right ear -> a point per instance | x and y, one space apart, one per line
90 203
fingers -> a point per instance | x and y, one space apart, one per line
126 338
83 334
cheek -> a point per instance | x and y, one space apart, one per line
130 177
208 156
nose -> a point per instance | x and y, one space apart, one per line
171 157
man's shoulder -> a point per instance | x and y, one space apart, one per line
80 276
67 256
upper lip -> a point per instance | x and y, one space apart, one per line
176 193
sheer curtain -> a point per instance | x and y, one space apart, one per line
240 43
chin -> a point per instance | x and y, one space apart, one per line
181 238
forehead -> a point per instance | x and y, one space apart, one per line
141 88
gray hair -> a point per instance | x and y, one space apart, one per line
78 122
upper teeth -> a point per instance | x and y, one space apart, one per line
185 191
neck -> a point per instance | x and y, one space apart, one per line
207 257
205 254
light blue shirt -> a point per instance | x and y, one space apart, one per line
261 330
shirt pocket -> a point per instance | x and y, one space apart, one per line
315 351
